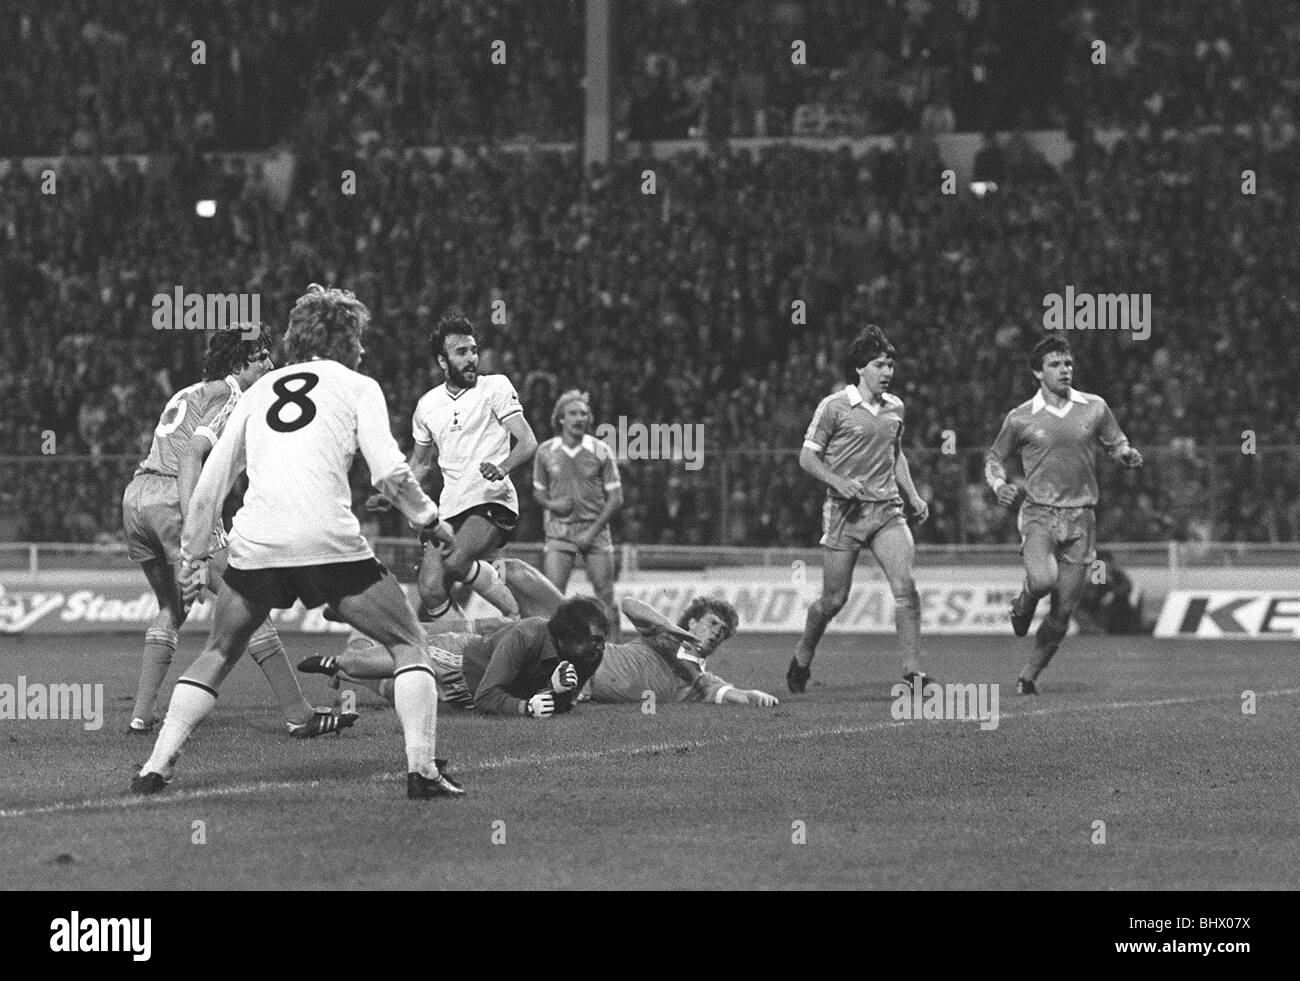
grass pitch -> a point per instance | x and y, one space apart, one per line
1147 736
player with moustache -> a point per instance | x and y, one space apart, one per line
576 482
466 425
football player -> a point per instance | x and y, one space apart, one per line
575 480
467 423
296 538
854 446
153 508
1055 436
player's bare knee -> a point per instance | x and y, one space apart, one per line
833 601
408 655
1040 581
433 595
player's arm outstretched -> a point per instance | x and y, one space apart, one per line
711 689
421 461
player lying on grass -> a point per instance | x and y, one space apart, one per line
854 446
466 424
1054 435
296 538
153 510
532 667
667 659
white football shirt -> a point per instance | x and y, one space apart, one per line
296 431
468 431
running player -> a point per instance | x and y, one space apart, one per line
153 507
296 537
468 421
1055 435
575 480
854 446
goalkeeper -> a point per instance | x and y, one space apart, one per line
533 667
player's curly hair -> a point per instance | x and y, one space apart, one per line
228 352
454 322
574 619
1048 345
720 608
864 349
562 403
326 323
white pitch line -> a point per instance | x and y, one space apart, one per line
573 756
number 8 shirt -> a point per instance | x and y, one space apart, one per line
296 431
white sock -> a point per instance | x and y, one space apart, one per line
489 585
190 705
415 696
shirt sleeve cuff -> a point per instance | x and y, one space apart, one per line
810 445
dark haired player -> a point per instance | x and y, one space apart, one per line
532 667
153 509
667 660
468 422
1055 436
296 538
854 446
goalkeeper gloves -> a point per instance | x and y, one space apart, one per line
540 706
565 677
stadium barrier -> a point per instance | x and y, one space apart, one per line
746 496
1191 589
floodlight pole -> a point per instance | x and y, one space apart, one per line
597 106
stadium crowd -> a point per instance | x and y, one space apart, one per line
676 306
94 76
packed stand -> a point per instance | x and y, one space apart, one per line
677 307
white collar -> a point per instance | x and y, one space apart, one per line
856 399
588 443
1040 403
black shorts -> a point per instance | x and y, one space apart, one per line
502 518
315 585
